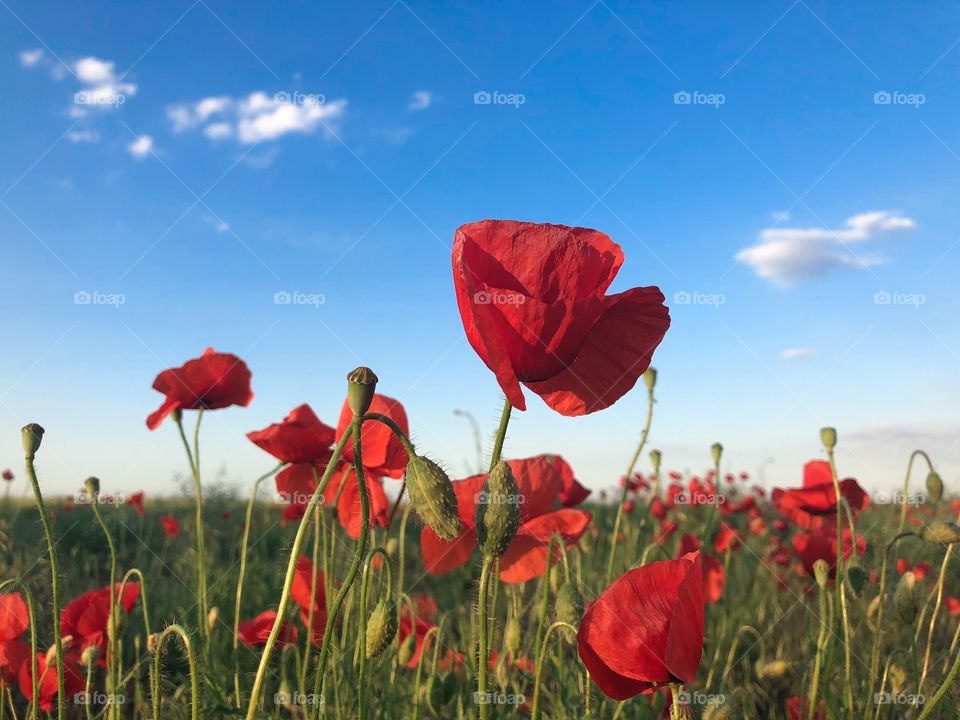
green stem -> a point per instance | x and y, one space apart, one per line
483 653
362 685
841 596
194 682
906 485
194 458
933 619
535 713
875 651
944 689
113 626
55 581
501 434
626 485
821 647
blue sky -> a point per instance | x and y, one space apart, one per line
785 172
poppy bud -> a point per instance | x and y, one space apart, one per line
32 434
940 533
716 450
407 648
212 618
934 485
92 486
152 641
177 415
650 378
361 386
828 436
442 689
432 496
568 607
821 571
89 656
498 511
655 458
905 597
511 637
381 628
774 670
856 575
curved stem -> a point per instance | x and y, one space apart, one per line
32 614
733 649
434 631
545 597
535 713
194 459
194 682
626 486
933 619
944 689
284 604
875 651
821 647
113 626
55 582
906 485
244 543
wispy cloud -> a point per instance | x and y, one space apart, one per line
141 147
83 136
31 58
797 353
789 255
420 100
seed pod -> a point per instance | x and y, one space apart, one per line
511 637
92 486
568 607
381 628
898 678
498 511
856 576
716 450
655 458
934 485
650 378
940 533
31 434
361 387
905 597
828 436
407 648
821 571
432 496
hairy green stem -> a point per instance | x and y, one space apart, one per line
194 458
535 712
362 685
194 681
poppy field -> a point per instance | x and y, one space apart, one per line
360 578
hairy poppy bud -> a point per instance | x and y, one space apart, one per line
905 597
381 628
940 533
856 576
773 670
650 378
407 648
511 637
361 386
89 656
682 708
498 511
655 458
32 434
432 496
568 607
716 450
821 571
92 486
212 618
934 485
828 436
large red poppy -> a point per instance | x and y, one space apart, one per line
300 592
714 576
646 629
73 682
212 381
540 483
798 708
14 621
300 438
256 632
815 504
821 544
86 618
534 307
572 492
383 454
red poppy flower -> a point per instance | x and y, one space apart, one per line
14 621
534 307
540 484
383 454
798 708
572 492
658 509
757 526
170 525
86 618
420 628
714 576
902 565
921 569
300 438
821 544
73 682
667 529
136 500
953 606
349 508
256 632
8 475
628 506
212 381
815 504
646 629
13 653
301 594
426 606
732 508
725 539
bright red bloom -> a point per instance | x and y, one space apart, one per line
301 592
628 506
658 509
86 618
732 508
299 438
646 629
714 576
953 606
420 628
8 475
726 539
757 526
14 621
170 525
534 307
815 504
798 708
383 454
540 484
13 653
821 544
212 381
572 492
73 682
256 632
136 500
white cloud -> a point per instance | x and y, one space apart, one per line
31 58
256 117
101 88
93 70
788 255
83 136
141 147
420 100
797 353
